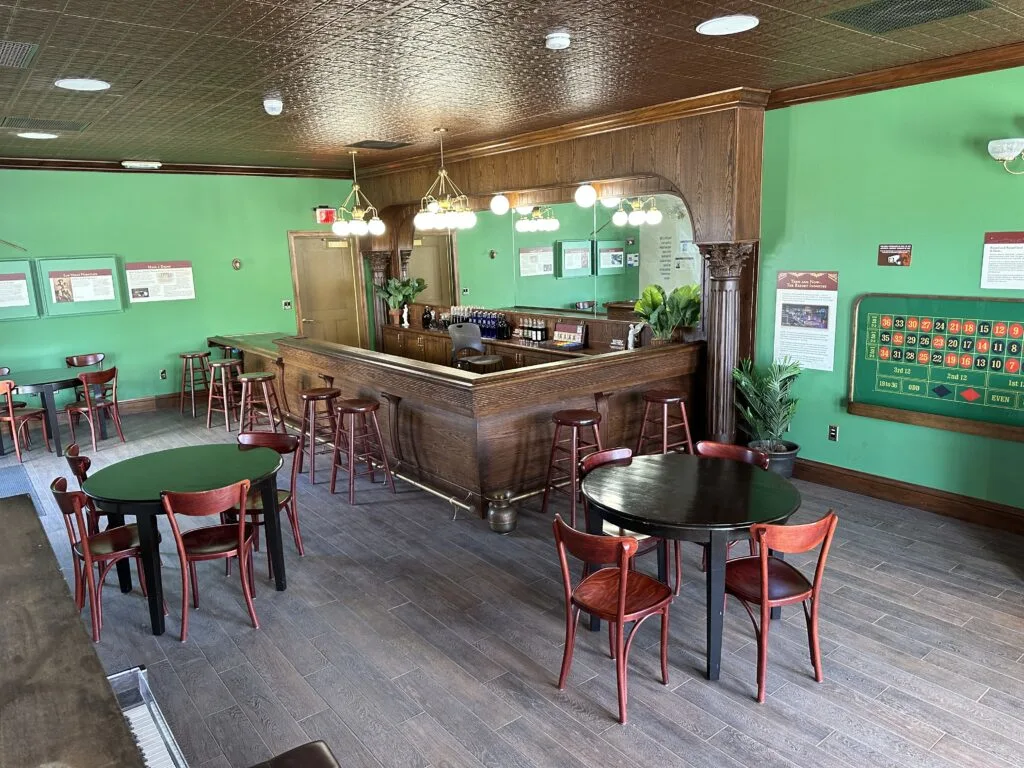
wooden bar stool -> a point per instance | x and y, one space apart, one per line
357 426
188 377
565 467
314 423
258 390
222 373
668 422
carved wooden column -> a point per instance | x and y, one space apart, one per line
379 262
722 323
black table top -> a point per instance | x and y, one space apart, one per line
141 480
676 495
62 378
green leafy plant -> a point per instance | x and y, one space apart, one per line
666 313
398 292
764 403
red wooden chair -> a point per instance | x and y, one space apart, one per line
212 542
18 419
84 361
771 582
80 466
5 371
99 399
618 595
94 554
623 457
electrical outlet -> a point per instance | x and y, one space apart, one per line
163 373
465 291
286 304
833 433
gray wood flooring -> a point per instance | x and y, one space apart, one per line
409 639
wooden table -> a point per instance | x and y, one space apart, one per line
56 707
133 487
690 498
46 383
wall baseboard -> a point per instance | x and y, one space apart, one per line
988 513
157 402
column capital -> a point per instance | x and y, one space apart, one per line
726 260
379 260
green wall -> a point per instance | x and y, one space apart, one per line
208 220
496 282
902 166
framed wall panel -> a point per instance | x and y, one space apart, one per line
19 298
79 285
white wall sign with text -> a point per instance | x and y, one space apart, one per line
14 290
1002 260
73 286
805 318
159 281
534 262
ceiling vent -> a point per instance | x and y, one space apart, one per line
374 144
884 16
17 55
34 124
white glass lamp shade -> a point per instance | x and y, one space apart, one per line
553 225
585 195
422 220
470 219
341 228
376 226
499 205
1005 150
433 206
620 218
521 225
636 218
358 227
610 202
524 210
653 217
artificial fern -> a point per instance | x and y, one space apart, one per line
763 401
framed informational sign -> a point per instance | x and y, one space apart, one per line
611 257
80 285
159 281
537 261
575 258
18 299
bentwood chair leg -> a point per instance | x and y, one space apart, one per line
293 518
572 616
245 569
620 670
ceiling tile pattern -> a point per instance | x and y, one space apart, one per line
189 76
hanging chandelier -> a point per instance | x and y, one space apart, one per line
444 206
352 213
642 210
537 219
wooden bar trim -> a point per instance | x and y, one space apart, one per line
987 513
937 421
114 166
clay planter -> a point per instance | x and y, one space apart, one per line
396 316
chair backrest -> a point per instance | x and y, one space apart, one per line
98 379
204 504
283 444
465 336
72 505
80 465
613 457
713 450
84 361
6 387
794 540
593 549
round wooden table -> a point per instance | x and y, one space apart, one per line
133 487
690 498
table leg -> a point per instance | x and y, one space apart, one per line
272 523
594 527
149 543
776 612
717 550
124 567
52 425
663 567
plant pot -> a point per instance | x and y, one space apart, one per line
396 316
779 462
655 342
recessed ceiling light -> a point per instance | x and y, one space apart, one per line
557 41
37 135
141 165
728 25
82 84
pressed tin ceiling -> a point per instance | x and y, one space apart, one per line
189 77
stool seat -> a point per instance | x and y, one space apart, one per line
319 393
229 362
357 405
186 355
663 396
257 376
576 418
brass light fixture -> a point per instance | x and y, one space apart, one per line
642 210
444 206
539 219
353 212
1005 151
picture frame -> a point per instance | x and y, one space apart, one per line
611 257
80 285
19 296
575 258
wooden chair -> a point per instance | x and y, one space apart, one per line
5 371
94 554
80 466
84 361
211 542
99 389
623 457
771 582
618 595
19 419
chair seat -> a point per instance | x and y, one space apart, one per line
611 529
315 754
254 501
213 539
112 541
743 579
79 406
598 594
24 413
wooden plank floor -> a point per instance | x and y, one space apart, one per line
409 639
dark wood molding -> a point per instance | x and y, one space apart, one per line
151 403
973 63
114 166
937 421
988 513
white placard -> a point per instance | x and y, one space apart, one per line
805 318
536 262
1002 261
81 285
575 258
159 281
14 290
611 257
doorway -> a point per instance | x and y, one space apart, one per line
330 288
431 259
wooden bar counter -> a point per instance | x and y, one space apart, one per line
469 435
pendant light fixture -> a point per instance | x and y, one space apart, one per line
353 212
538 219
444 206
642 210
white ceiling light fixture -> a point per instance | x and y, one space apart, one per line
499 205
273 105
81 84
1005 151
557 41
585 195
352 213
444 206
141 165
728 25
36 135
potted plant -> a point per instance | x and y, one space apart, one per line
766 409
397 293
667 313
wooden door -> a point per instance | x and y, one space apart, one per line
431 259
330 290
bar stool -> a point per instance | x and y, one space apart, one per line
223 390
575 448
668 421
314 423
188 377
258 390
367 434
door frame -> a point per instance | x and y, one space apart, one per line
363 323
